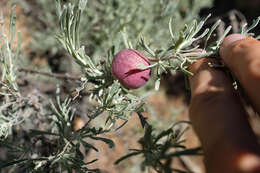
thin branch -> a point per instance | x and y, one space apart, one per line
64 149
55 75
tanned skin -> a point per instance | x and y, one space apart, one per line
216 110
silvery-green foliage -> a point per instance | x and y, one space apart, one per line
21 139
182 49
10 112
185 49
8 58
104 19
65 147
112 98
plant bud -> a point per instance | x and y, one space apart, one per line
125 68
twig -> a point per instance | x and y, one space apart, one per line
55 75
12 91
64 149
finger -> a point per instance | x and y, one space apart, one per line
220 121
243 59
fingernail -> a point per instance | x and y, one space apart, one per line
228 41
249 163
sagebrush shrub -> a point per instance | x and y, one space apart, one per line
92 37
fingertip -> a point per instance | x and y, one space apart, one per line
242 57
249 163
230 39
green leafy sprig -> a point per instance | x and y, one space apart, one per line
111 96
11 112
185 49
8 58
159 149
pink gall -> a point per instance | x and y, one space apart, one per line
125 68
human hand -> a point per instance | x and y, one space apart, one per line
216 110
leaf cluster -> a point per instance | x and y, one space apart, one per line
159 150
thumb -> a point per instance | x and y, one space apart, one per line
242 56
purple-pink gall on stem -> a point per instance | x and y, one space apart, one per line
125 68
